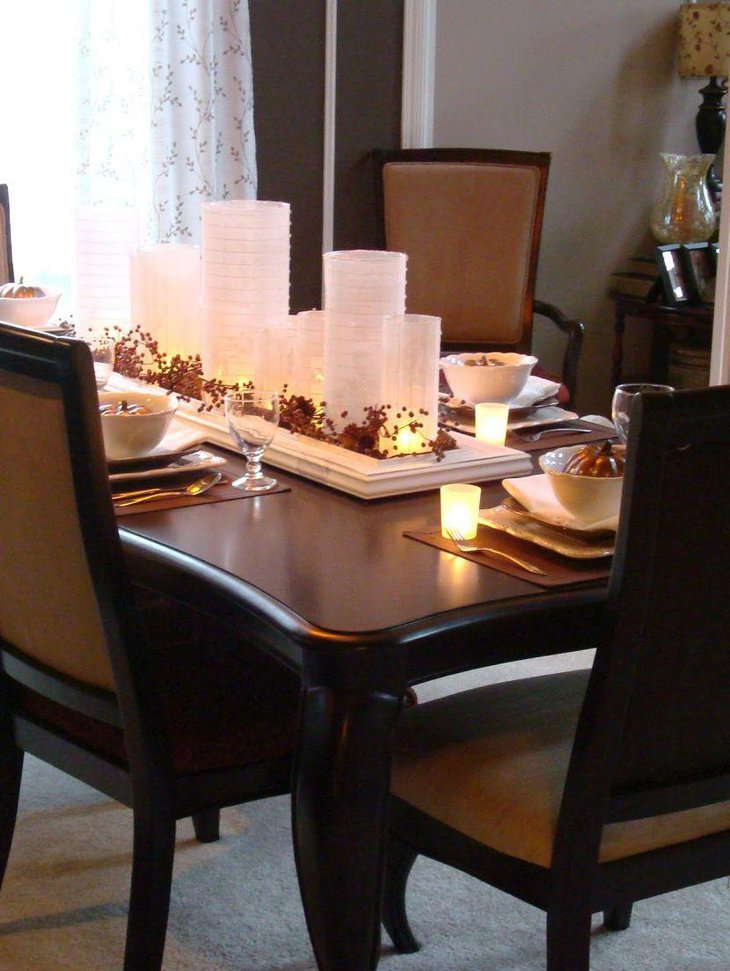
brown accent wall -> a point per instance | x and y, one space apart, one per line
287 43
288 48
369 73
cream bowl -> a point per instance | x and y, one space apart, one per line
131 436
588 498
33 312
501 379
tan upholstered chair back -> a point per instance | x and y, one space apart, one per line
471 231
48 607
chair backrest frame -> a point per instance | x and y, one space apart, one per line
653 736
493 160
67 364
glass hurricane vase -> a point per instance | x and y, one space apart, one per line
683 212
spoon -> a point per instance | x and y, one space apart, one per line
196 488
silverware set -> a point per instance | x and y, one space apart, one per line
196 488
465 547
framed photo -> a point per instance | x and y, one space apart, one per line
714 253
699 272
672 273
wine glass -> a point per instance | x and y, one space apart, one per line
252 419
623 399
102 354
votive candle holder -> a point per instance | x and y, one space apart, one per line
491 422
460 509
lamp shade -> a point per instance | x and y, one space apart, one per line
704 40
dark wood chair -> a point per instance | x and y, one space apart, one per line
587 791
470 221
6 249
145 699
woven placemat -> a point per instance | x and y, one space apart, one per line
560 570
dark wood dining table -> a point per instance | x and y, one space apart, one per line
332 587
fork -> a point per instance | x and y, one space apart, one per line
536 436
458 537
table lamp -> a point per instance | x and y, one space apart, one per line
704 52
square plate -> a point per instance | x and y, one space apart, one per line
567 542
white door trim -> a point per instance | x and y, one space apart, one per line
330 104
419 56
720 361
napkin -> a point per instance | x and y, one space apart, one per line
179 437
536 389
536 494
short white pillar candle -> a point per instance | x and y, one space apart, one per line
460 509
491 422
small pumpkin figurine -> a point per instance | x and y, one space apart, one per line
602 461
20 291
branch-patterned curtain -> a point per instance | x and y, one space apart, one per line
165 117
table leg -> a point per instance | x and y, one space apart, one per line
339 810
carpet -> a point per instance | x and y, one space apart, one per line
235 903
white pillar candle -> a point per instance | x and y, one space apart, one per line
165 295
369 282
491 422
353 366
244 281
411 376
104 238
306 375
460 509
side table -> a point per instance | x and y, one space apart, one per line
666 322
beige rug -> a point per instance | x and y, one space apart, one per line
235 903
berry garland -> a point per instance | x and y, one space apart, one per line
138 356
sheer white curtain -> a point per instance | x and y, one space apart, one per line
166 108
140 103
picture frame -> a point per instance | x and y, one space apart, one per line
714 253
699 272
672 274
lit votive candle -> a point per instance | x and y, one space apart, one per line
491 422
460 509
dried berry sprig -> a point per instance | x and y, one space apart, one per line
137 355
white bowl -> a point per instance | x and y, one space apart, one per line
589 498
31 312
502 380
131 436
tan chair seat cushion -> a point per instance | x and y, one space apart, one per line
491 763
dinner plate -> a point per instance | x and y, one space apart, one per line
48 328
567 542
163 465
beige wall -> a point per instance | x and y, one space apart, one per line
593 82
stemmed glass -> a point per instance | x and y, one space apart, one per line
623 399
252 419
102 354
